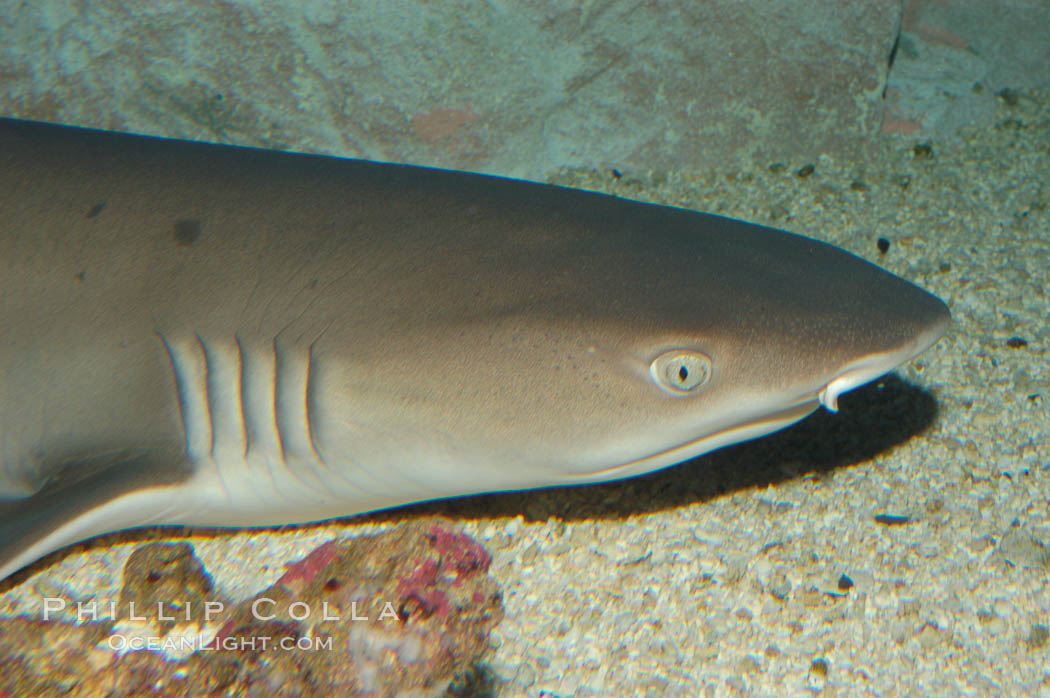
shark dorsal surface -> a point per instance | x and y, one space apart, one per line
223 336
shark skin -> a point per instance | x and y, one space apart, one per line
221 336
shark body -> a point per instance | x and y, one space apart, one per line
211 335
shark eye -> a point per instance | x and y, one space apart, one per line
680 371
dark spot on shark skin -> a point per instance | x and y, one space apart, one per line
96 209
187 230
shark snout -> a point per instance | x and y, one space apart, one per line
923 320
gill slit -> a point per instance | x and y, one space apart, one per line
180 392
211 409
243 416
308 421
285 424
274 408
261 443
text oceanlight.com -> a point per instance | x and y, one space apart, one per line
188 644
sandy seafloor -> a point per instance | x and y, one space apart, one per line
724 576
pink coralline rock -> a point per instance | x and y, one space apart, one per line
403 613
301 572
509 88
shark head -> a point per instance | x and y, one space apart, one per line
603 338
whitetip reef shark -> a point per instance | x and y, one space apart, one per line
223 336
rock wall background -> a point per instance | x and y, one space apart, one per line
503 87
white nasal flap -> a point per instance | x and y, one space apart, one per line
864 371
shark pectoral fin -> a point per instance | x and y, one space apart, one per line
91 496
